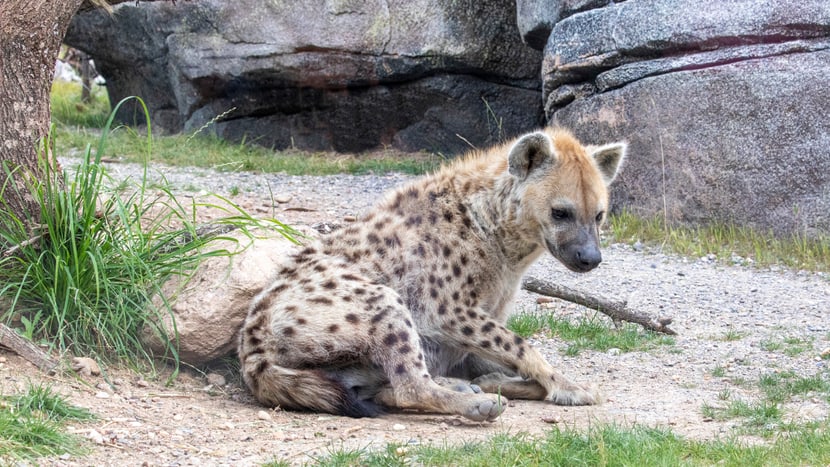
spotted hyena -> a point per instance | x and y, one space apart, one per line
405 307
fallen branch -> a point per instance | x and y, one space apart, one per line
26 349
615 309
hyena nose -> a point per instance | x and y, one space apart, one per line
588 258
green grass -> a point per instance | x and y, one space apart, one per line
764 417
30 425
599 446
790 346
84 279
724 241
79 125
587 333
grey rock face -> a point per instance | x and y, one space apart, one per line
724 104
323 74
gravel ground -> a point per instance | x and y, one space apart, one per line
725 316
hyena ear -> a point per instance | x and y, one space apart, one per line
609 158
528 154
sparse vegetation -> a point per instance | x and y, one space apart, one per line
587 333
79 125
30 425
600 445
728 243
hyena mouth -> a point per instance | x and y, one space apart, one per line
571 260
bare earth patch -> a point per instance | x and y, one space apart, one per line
194 422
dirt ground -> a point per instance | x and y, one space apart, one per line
201 421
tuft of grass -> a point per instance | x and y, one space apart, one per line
587 333
30 425
83 281
729 243
718 372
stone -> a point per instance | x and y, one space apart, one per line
210 305
744 143
724 108
347 76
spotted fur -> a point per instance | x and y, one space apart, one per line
406 306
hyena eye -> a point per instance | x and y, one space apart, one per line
600 216
560 214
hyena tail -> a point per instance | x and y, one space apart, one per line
314 390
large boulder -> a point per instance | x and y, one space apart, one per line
348 76
724 105
207 308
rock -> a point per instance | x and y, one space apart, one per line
216 379
282 199
85 366
209 307
413 74
536 18
263 415
724 108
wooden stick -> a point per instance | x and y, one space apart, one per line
615 309
26 349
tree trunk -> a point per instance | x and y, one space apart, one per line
31 32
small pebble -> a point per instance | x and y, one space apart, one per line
216 379
102 395
282 199
263 415
398 427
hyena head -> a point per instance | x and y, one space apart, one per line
563 194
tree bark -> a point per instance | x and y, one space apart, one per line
31 32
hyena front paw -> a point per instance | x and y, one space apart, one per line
485 407
575 395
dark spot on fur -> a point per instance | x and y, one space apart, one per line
372 330
489 326
359 291
414 221
334 328
484 344
457 310
420 250
260 368
309 289
442 309
472 314
456 295
288 272
507 346
518 340
258 350
320 268
433 293
329 284
390 339
301 321
399 301
352 318
289 331
378 317
254 341
328 347
379 225
413 192
431 278
463 259
403 336
405 349
374 298
321 300
392 241
373 238
400 369
448 216
291 309
446 250
467 331
407 323
521 353
350 277
433 218
456 270
497 340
